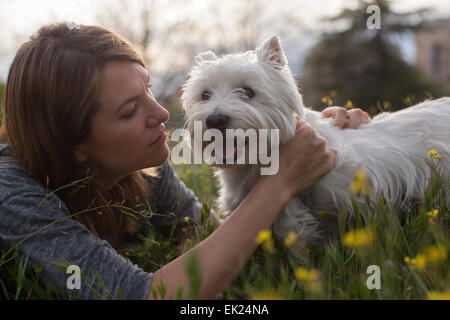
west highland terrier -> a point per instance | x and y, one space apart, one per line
256 90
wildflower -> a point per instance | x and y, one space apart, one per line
333 93
359 238
186 219
386 105
327 100
322 213
436 295
432 216
361 183
265 237
188 171
290 239
349 104
434 154
310 277
419 262
431 255
436 254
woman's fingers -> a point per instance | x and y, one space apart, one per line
355 118
344 118
338 113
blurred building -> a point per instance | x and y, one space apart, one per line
433 49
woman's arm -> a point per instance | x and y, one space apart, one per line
303 161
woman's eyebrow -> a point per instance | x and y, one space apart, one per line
128 100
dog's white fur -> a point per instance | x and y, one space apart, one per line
392 148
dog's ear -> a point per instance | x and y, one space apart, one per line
205 56
271 51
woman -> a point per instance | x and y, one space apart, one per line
79 125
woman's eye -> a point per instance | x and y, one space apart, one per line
205 95
130 113
248 93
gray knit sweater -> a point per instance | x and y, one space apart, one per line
38 222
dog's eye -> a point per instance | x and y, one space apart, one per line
248 93
205 95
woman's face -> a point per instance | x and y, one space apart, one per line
127 132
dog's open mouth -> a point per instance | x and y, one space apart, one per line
229 152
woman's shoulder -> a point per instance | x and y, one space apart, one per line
14 178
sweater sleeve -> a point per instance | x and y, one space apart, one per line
171 199
39 224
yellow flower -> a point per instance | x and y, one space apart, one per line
433 214
333 93
188 171
419 262
327 100
436 254
359 238
307 275
186 219
290 239
263 236
310 277
434 154
322 213
349 104
361 183
436 295
431 255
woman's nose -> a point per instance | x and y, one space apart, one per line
158 114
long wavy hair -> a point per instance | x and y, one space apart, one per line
51 96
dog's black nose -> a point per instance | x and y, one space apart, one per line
217 121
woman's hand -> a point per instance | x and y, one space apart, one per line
304 160
344 118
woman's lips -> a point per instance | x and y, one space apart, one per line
161 138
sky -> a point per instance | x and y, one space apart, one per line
20 18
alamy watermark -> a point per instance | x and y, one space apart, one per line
374 20
239 147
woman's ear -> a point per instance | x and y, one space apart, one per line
80 155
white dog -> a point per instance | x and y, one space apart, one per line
256 90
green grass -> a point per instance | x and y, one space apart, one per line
341 269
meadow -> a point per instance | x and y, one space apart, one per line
411 252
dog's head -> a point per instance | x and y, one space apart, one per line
251 90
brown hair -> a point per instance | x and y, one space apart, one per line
50 99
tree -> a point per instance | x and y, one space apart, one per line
364 65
